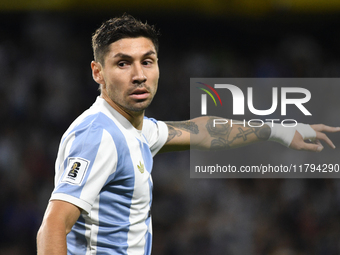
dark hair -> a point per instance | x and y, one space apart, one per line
118 28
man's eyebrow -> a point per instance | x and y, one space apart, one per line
150 52
122 55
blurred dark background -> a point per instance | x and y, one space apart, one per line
45 55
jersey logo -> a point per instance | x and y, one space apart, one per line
140 167
76 169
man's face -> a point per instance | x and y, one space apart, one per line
131 73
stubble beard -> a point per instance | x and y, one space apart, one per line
134 108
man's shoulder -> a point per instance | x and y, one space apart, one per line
149 125
89 120
97 115
155 132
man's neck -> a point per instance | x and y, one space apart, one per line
136 119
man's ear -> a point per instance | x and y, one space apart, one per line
97 72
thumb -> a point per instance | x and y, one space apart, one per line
316 147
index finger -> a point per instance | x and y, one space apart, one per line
325 128
321 136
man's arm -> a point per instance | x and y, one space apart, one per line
58 220
201 133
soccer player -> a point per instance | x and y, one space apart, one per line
103 187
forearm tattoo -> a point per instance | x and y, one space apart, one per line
222 138
174 127
173 133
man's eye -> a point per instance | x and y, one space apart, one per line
147 62
122 64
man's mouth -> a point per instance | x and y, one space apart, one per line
140 94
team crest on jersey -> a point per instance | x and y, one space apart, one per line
140 167
76 170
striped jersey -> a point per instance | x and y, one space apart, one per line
104 167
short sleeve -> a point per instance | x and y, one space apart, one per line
87 158
156 133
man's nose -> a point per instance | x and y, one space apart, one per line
138 75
